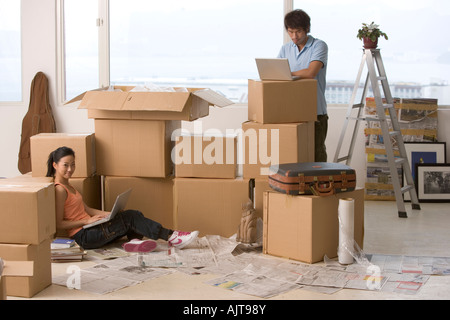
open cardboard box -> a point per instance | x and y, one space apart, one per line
127 104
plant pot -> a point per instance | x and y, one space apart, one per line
369 44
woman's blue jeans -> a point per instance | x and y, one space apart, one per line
131 223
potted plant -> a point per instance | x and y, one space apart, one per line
370 33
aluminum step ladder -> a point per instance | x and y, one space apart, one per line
384 109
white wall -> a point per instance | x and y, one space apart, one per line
39 54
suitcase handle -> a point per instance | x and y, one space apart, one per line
323 191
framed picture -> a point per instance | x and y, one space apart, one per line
433 182
423 152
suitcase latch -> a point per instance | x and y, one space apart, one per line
301 183
344 181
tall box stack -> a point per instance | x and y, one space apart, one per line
280 129
28 217
208 194
27 225
418 119
135 130
85 178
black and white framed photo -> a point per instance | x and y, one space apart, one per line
433 182
423 152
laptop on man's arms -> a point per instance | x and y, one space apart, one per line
274 69
119 205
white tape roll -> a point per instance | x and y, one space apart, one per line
346 212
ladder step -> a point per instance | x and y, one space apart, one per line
363 119
343 158
381 78
400 160
388 106
407 188
395 133
358 106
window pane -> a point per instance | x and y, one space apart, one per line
10 51
416 56
81 46
198 43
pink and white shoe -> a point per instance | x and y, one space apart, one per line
180 239
137 245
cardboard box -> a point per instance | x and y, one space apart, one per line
306 228
269 144
260 186
152 196
28 212
13 269
200 156
41 277
83 145
282 101
134 148
89 187
211 206
123 103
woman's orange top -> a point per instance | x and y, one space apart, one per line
73 208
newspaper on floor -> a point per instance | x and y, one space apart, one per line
411 264
251 284
109 276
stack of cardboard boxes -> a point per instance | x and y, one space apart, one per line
304 228
27 224
182 181
27 220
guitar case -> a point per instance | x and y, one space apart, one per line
38 119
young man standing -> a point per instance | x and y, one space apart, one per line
308 59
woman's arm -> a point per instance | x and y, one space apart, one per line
95 212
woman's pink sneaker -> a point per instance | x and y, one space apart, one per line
137 245
180 239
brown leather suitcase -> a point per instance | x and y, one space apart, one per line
312 178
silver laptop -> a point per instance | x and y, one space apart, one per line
274 69
119 205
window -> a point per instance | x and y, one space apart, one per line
198 43
81 66
10 51
416 56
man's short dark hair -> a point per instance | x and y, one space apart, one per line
298 19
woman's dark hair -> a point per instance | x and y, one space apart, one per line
298 19
55 156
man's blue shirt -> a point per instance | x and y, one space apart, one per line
314 50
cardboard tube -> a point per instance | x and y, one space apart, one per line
346 213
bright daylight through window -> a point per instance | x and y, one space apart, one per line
202 43
10 51
197 43
416 56
80 46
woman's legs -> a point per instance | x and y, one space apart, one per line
135 222
129 222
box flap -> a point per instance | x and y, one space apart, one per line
81 96
156 101
103 100
18 268
213 97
